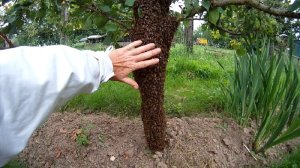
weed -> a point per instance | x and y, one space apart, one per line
223 126
101 139
82 138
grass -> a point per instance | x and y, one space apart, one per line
89 46
192 85
15 164
291 161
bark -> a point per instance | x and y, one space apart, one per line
153 24
6 40
188 36
257 5
64 20
252 3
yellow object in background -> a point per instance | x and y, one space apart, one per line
202 41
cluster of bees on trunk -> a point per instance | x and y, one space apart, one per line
153 24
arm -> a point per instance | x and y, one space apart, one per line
35 80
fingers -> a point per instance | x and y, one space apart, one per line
144 64
133 45
142 49
148 54
130 82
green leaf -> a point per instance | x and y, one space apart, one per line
107 40
186 23
100 21
294 6
229 13
129 2
110 27
220 10
105 8
109 2
241 51
89 22
206 4
213 16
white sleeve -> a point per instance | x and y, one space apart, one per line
35 80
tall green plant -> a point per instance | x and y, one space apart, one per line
265 87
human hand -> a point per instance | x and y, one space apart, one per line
129 58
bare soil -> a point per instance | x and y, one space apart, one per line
120 142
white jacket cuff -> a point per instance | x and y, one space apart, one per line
106 72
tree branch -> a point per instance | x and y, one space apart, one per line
6 39
257 5
226 30
194 11
93 8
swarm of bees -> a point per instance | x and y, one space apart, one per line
153 24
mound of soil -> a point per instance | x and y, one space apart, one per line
120 142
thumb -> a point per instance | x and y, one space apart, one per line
130 82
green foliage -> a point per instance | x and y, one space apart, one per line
215 38
111 17
213 16
33 35
110 27
291 161
266 87
129 2
246 24
82 139
115 18
206 4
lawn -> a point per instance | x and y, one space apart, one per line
193 85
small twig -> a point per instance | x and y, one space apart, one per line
250 152
93 8
226 30
196 10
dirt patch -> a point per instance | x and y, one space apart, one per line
119 142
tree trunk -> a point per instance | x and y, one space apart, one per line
153 24
188 36
64 20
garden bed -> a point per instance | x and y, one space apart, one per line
120 142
